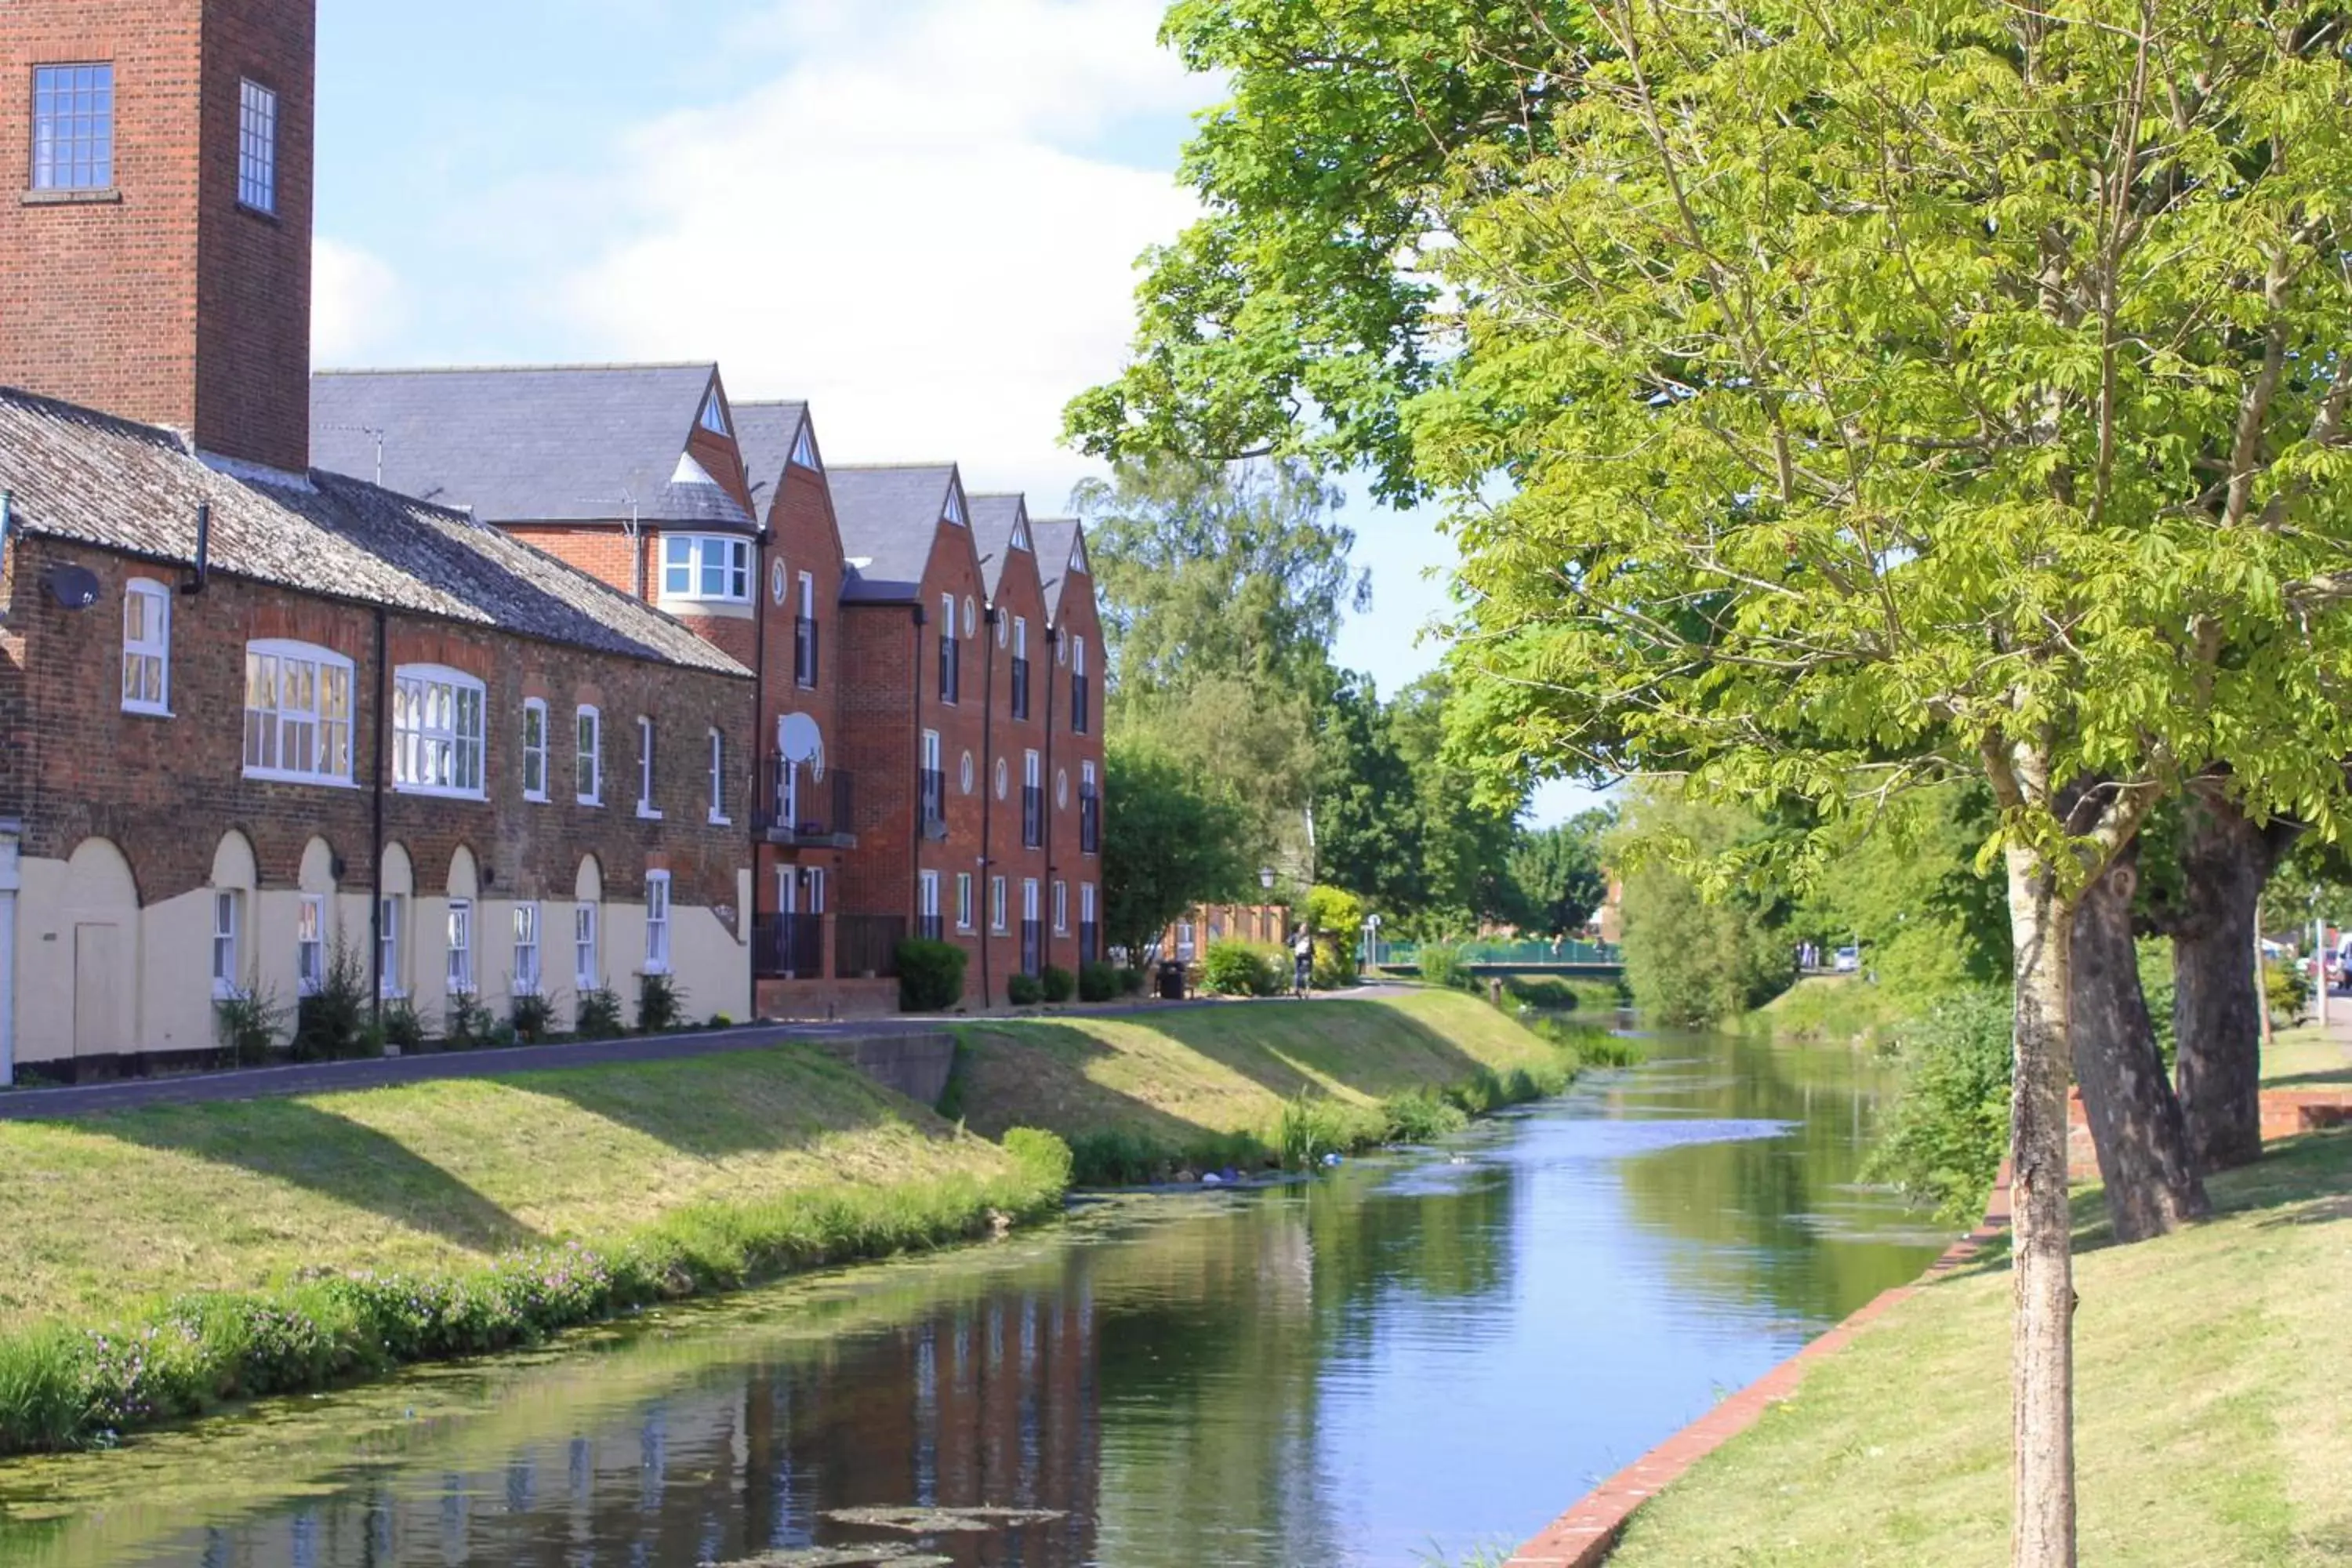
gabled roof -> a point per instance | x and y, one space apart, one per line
767 433
94 479
529 443
1000 527
1059 541
890 521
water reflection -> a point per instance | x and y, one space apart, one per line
1428 1351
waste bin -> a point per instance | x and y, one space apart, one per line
1171 980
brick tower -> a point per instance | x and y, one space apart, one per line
155 258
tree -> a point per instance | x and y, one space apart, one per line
1558 873
1367 812
1843 399
1467 834
1168 844
1693 960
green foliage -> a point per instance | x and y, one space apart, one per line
1446 967
661 1005
950 1103
1168 842
1421 1118
1334 913
248 1025
1694 959
1023 989
1042 1156
404 1029
331 1022
1311 1127
599 1016
468 1026
2157 984
1335 963
1058 985
930 975
1103 981
2286 992
533 1018
1943 1143
1558 875
1240 968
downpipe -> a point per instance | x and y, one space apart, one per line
10 882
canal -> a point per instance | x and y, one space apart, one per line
1422 1356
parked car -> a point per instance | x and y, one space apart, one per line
1848 960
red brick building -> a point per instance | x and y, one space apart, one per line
1074 742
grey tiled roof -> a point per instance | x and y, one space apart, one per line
554 444
994 519
765 432
94 479
890 521
1054 539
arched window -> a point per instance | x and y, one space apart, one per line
297 713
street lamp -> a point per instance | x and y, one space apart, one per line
1265 877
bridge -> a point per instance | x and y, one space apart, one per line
1567 959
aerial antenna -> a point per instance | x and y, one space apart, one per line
372 434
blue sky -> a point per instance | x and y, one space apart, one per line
921 214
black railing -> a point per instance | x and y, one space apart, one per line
1021 689
1032 947
1090 824
805 654
935 802
1032 816
788 947
950 669
1078 714
931 928
1089 941
868 946
797 806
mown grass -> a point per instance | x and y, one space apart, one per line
1838 1008
2308 1057
2211 1429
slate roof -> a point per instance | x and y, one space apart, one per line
1054 539
531 444
889 521
993 520
765 432
95 479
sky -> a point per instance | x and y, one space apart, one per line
921 215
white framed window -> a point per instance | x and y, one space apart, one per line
1021 636
970 778
528 975
589 759
1079 658
706 568
1062 909
146 647
1086 896
311 944
1184 940
460 975
927 894
297 713
392 920
955 507
439 731
1029 905
808 597
970 618
996 909
1032 772
657 922
718 779
813 878
228 921
73 127
714 416
586 973
257 148
534 749
645 771
804 450
965 911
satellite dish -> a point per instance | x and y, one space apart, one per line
802 742
73 587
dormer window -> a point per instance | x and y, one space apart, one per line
955 507
1078 559
1021 536
704 568
804 450
714 416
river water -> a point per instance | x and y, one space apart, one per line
1424 1355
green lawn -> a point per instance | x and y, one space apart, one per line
2308 1059
2214 1423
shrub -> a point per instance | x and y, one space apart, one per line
661 1005
2285 991
720 1021
1044 1158
329 1023
403 1026
599 1018
930 975
1060 985
1334 913
1950 1126
1420 1118
1335 963
1446 967
468 1027
1103 981
249 1023
1024 990
1238 969
533 1018
1132 981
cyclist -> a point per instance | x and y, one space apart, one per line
1302 950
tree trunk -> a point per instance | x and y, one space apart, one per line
2041 1357
2216 1009
2152 1186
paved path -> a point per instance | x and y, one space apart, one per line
334 1077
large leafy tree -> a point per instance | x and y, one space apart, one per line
1169 843
1844 399
1560 874
1369 837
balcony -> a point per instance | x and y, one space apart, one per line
788 947
804 653
798 810
867 946
1089 823
1032 816
935 804
1021 689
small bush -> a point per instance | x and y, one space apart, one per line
720 1021
1024 990
599 1016
1335 964
250 1024
404 1028
1949 1127
930 975
533 1019
2286 992
1420 1118
328 1024
1446 967
1132 981
1043 1157
1103 981
661 1005
1238 969
1060 985
470 1026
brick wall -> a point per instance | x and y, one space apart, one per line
1076 616
99 301
1018 597
804 538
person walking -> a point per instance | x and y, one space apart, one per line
1302 951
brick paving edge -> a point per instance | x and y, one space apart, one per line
1586 1535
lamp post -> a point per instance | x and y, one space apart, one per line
1372 942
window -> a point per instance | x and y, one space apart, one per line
718 779
951 659
534 749
706 567
590 758
585 972
257 148
657 922
526 949
1062 908
437 731
804 450
927 908
146 647
965 911
955 507
310 945
1019 692
392 919
73 128
1079 717
461 975
813 880
805 644
714 415
645 771
297 713
996 911
228 909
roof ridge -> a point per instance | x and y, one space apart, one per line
512 369
767 403
892 468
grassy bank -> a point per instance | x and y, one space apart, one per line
2210 1428
1833 1007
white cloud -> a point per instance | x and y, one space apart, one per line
910 227
357 303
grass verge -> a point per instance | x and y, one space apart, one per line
2210 1428
1842 1007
